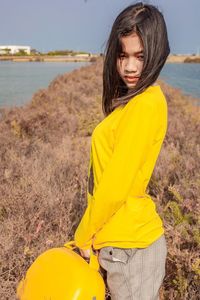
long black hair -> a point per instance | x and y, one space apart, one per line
148 22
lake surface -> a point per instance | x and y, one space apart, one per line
185 76
20 80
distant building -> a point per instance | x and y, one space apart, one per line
83 55
13 49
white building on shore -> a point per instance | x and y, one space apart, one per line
13 49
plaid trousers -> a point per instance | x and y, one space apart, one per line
134 273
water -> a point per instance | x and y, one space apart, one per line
185 76
19 81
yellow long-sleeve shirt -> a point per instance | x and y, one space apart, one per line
124 148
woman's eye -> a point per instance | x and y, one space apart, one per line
141 57
122 55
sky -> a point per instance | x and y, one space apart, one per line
84 25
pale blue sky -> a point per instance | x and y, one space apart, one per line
85 25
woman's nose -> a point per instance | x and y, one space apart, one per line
130 65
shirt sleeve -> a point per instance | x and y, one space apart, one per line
133 136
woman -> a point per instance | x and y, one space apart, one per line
121 222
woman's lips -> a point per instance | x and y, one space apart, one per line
131 79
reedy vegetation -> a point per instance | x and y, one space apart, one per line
44 150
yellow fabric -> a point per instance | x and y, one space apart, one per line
124 148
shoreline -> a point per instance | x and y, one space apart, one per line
91 58
48 58
183 59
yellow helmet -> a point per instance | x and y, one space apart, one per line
62 274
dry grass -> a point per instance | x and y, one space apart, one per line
44 150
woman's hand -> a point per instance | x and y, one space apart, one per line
85 253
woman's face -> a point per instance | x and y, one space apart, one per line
130 60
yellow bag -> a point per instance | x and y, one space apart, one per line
62 274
